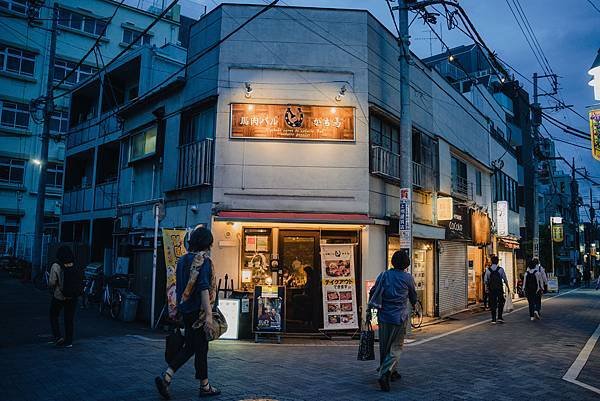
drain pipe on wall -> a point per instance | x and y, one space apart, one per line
154 260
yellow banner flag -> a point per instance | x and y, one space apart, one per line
595 133
174 247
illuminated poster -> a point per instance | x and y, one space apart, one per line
339 288
174 248
595 133
292 122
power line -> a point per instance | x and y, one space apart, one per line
593 5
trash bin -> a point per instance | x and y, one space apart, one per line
129 307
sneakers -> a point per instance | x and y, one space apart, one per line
163 387
384 382
493 322
500 320
67 345
537 315
532 319
59 342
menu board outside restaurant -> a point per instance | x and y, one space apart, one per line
339 287
292 122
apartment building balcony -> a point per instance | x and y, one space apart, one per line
195 164
424 177
94 128
385 163
105 196
462 187
78 200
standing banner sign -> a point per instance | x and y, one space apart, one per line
339 287
174 247
404 229
502 218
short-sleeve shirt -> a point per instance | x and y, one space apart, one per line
194 302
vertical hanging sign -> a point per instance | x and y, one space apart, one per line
404 228
595 133
339 287
174 248
502 218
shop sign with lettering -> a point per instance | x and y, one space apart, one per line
595 133
502 218
292 122
459 227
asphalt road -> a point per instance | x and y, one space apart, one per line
468 360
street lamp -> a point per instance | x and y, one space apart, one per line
37 162
594 71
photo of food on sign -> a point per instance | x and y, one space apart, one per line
331 307
346 319
346 307
334 319
346 296
338 268
332 296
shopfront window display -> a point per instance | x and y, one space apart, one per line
257 245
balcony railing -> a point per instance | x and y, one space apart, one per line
385 163
460 186
106 196
92 129
424 177
195 164
78 200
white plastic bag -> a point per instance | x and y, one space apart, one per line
508 305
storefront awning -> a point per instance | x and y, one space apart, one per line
292 217
509 243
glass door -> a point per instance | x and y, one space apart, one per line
300 260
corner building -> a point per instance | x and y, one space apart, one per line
285 137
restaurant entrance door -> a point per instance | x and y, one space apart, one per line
300 260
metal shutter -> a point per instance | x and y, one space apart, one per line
453 277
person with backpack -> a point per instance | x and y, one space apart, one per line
66 283
196 294
533 287
392 291
494 279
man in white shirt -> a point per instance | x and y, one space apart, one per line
494 279
544 278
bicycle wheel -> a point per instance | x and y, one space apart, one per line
416 319
115 304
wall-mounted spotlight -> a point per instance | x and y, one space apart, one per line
248 93
451 58
341 94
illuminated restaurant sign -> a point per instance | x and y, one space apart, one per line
595 133
292 122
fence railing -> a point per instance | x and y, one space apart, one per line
461 186
385 163
21 246
78 200
195 164
105 196
424 177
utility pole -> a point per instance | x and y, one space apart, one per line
405 228
535 122
41 192
575 210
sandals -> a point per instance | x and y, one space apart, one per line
163 387
208 391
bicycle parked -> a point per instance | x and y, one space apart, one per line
416 318
112 295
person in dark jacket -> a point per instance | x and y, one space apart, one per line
533 287
196 293
64 260
495 278
394 314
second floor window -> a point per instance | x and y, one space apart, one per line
17 6
131 35
459 177
63 67
478 183
54 175
15 60
11 171
384 133
80 22
14 115
505 189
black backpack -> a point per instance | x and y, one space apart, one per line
495 282
72 285
531 284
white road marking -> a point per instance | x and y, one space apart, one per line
470 326
582 358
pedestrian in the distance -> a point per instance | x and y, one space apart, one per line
196 294
494 279
533 286
398 288
66 283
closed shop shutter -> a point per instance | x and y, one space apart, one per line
453 277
